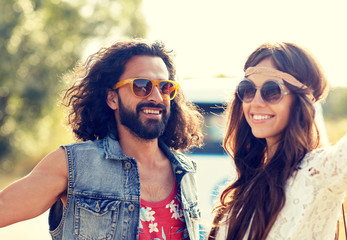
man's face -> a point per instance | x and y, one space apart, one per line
143 117
148 128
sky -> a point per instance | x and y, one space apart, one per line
211 38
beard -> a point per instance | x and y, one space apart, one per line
151 128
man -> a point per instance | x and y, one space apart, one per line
127 178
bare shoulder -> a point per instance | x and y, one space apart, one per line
53 162
53 169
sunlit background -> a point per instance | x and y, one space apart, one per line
215 37
42 40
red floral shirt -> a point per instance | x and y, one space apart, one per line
163 220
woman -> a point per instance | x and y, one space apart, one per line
288 186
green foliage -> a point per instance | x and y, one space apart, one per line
335 107
40 40
336 129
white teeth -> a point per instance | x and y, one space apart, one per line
261 117
151 111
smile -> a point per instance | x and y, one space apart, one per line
152 111
261 117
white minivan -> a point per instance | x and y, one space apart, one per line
214 166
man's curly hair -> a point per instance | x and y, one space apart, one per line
91 118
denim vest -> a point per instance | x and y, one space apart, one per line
103 194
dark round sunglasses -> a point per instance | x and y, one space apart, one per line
272 91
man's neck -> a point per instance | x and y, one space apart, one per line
156 176
138 148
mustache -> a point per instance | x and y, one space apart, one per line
151 105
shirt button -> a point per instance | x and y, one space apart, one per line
127 165
131 208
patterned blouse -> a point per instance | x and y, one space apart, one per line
313 197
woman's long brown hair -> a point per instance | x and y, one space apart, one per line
255 199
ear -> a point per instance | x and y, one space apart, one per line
112 99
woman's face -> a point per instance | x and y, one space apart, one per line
267 120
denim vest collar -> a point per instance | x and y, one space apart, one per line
179 162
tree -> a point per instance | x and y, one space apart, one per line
335 107
40 40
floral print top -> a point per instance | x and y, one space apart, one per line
314 195
163 220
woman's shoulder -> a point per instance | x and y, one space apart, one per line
327 165
337 151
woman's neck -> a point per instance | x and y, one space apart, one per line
271 150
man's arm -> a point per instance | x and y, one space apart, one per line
34 194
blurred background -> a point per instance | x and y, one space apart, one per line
41 40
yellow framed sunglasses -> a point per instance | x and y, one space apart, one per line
143 87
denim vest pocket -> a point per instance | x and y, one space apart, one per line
95 218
